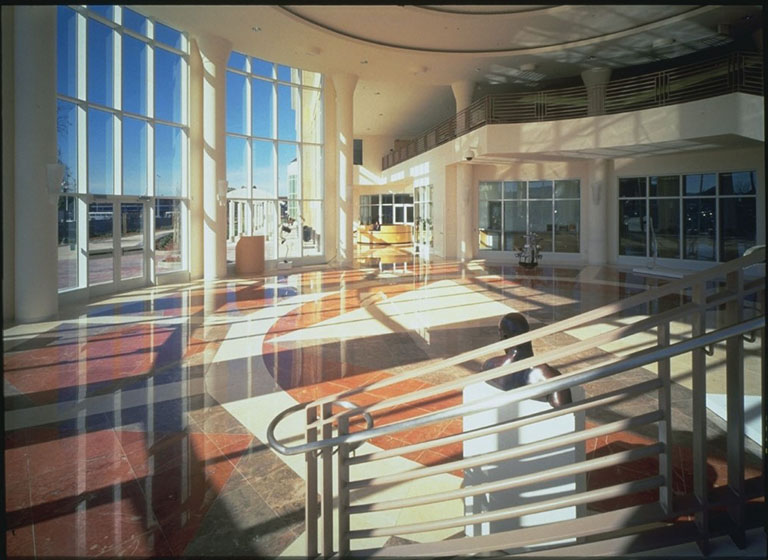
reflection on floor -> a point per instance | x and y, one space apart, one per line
135 426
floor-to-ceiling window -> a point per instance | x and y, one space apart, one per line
697 216
508 210
122 142
274 157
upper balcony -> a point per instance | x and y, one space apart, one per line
735 72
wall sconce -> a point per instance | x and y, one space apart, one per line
221 191
54 176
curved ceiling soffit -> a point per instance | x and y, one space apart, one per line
693 12
479 11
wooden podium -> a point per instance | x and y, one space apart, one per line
249 255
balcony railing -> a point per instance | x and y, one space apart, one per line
737 72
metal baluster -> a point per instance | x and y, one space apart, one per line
310 504
734 367
699 421
342 475
327 494
665 425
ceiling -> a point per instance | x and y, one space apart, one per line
407 57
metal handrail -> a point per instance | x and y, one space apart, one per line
566 381
742 71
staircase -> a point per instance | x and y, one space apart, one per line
368 497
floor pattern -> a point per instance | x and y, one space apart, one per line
136 425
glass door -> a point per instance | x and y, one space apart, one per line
133 240
422 219
101 254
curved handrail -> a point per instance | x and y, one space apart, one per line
636 359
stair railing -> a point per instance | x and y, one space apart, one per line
350 512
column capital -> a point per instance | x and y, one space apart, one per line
213 48
596 76
462 93
344 84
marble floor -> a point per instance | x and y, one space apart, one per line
136 425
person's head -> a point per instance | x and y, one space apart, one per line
513 324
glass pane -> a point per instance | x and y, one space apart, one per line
540 189
66 140
567 225
399 214
312 171
132 241
312 116
100 152
66 51
375 199
237 168
409 214
288 171
67 247
514 224
312 227
265 223
743 182
290 232
489 190
170 37
664 186
387 216
135 170
100 259
665 224
237 61
699 229
262 68
167 86
403 198
237 95
365 215
514 190
700 184
135 75
632 227
287 74
540 220
263 107
168 147
167 235
104 11
490 224
312 79
365 199
632 186
134 22
387 199
738 226
100 63
569 188
263 169
287 113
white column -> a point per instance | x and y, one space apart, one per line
600 171
345 91
196 191
596 79
214 52
462 93
464 215
35 235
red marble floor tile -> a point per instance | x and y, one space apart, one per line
19 542
90 450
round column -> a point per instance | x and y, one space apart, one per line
35 235
345 84
465 242
214 52
196 191
600 171
462 93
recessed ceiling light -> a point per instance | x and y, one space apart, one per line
256 28
364 61
377 93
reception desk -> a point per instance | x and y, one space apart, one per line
389 234
249 255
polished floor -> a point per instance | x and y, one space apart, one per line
135 425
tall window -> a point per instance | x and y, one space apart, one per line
699 216
274 156
510 209
123 141
386 208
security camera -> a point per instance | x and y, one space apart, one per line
469 155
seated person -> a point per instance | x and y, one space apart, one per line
513 324
376 226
